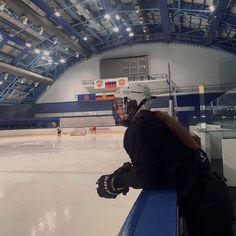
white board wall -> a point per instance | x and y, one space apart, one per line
229 160
190 65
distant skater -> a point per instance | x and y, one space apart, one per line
59 131
94 130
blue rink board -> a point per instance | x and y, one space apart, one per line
154 213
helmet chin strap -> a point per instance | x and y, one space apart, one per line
132 114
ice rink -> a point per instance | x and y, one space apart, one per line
47 185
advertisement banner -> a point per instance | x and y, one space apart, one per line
99 84
110 83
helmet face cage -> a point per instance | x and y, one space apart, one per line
128 100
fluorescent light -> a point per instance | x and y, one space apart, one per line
77 55
57 13
131 34
211 8
36 84
36 50
29 45
43 58
128 29
107 16
117 17
62 61
116 29
85 38
1 82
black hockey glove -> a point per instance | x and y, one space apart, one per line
106 187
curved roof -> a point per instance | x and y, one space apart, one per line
48 36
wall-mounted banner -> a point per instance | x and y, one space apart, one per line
99 84
104 96
86 97
122 81
110 83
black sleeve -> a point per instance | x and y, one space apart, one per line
144 145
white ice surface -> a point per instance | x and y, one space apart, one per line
47 186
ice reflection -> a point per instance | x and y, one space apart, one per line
46 223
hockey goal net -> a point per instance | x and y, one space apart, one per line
78 132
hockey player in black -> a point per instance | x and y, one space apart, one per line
164 155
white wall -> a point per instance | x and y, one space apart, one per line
190 65
229 160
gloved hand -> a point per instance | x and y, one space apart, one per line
106 187
126 167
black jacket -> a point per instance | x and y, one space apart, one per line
159 158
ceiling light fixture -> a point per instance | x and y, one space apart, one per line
24 20
57 13
128 29
29 45
62 61
117 17
6 76
41 30
137 8
55 41
116 29
36 50
2 6
211 8
85 38
107 16
131 34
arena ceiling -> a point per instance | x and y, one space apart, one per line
39 39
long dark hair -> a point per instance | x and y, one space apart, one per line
181 132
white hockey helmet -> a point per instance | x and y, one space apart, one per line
128 100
